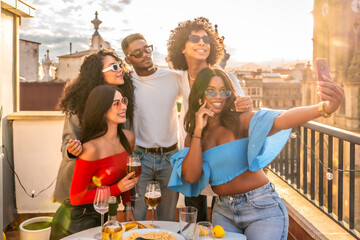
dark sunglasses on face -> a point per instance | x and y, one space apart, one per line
222 93
196 39
139 53
114 67
118 103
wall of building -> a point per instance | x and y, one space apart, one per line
8 79
37 156
68 68
29 60
40 96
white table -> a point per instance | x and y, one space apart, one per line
172 226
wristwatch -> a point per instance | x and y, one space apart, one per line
321 110
127 208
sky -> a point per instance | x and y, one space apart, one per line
254 30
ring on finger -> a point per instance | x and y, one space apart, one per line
247 106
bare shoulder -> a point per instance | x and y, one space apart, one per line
90 151
130 137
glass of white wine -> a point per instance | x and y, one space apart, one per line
153 197
101 204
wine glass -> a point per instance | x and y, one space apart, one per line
101 205
204 231
133 164
153 197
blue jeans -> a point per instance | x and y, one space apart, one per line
156 167
259 214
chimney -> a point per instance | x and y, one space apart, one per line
70 48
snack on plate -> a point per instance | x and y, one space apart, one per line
152 235
136 225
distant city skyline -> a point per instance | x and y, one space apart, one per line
255 31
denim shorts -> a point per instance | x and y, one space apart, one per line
259 214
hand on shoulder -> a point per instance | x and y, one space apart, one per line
90 151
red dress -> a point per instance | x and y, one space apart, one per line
88 175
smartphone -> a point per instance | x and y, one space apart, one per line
322 68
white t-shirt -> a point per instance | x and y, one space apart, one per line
185 89
155 111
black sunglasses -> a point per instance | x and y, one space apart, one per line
222 93
139 53
196 39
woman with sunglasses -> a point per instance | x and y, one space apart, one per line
97 69
229 149
194 45
102 162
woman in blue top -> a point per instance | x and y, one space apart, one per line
229 149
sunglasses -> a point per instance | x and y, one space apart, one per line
118 103
139 53
114 67
196 39
222 93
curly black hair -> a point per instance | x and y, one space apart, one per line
77 91
180 35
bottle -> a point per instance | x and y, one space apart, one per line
112 229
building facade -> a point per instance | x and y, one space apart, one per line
271 90
336 37
69 64
29 60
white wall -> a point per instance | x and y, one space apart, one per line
29 60
8 59
37 157
69 68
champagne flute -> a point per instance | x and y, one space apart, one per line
153 197
101 205
133 164
204 231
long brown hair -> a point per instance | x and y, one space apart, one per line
228 117
94 123
76 92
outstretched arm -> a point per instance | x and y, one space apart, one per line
330 93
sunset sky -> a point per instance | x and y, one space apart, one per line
254 30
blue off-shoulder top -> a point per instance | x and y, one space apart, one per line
224 162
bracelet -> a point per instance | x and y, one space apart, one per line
194 136
321 110
128 208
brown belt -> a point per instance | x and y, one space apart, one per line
160 149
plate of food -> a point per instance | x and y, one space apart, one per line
81 238
151 233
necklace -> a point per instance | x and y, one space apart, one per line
191 78
114 146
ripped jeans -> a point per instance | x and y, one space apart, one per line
259 214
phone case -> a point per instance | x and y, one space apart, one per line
322 68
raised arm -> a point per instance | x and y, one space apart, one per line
330 93
192 165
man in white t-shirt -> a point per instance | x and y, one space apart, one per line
155 124
194 45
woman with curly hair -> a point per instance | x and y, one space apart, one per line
97 69
194 45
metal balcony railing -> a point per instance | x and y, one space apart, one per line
323 164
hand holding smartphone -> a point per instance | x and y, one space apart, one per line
322 68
